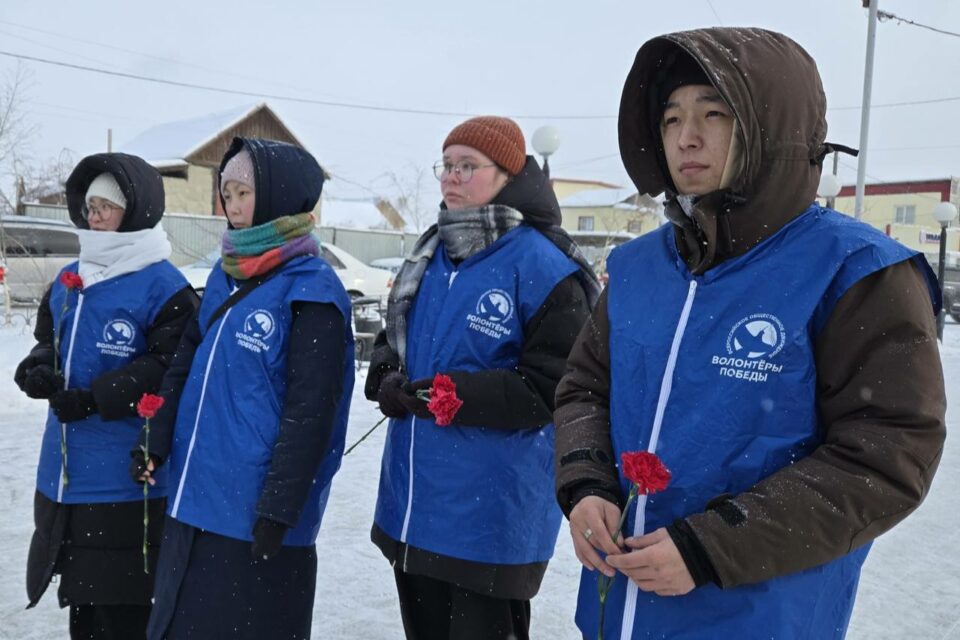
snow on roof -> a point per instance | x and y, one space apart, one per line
597 198
356 213
172 141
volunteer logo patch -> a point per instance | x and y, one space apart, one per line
495 305
751 345
117 338
757 336
258 327
494 309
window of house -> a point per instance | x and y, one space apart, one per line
905 214
585 223
634 226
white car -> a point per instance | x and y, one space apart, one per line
357 278
390 264
35 250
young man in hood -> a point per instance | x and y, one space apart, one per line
780 359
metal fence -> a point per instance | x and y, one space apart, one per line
194 236
369 244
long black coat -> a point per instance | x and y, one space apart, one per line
97 548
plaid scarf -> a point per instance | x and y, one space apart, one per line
255 251
465 233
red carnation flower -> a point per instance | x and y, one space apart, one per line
71 280
645 470
443 402
647 475
149 405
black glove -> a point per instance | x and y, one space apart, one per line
23 369
41 382
71 405
390 393
267 538
411 402
138 465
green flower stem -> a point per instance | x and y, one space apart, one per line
146 488
364 436
603 582
56 371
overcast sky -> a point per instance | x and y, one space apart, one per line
505 57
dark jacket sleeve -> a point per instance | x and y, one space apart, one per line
117 392
523 398
881 397
171 388
383 360
585 463
43 329
315 361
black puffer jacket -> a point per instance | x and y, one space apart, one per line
97 547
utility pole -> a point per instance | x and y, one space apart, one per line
832 200
109 140
865 109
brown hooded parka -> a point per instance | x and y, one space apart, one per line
880 390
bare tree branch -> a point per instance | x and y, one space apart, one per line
16 130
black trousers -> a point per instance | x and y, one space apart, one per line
108 621
436 610
210 588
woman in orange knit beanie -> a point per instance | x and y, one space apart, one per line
493 296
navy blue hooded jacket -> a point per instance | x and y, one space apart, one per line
261 417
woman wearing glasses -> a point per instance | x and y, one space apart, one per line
106 332
493 295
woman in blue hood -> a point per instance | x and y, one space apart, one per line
106 332
256 409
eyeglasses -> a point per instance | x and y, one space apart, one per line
105 210
464 170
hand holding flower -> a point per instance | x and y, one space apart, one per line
147 408
655 564
425 398
441 398
647 475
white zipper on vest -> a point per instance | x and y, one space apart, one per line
413 424
66 382
666 384
406 517
196 422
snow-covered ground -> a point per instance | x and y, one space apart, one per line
910 586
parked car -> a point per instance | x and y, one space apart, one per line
35 249
390 264
951 291
357 278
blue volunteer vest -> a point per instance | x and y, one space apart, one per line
102 328
228 419
475 493
741 407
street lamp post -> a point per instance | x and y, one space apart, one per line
546 141
865 109
944 213
829 187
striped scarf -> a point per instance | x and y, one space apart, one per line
255 251
463 233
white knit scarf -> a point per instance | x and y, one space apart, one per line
108 254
